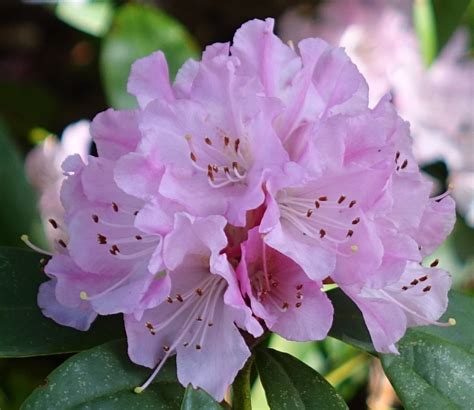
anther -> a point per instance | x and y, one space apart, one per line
210 175
323 198
423 278
193 157
62 243
226 141
95 218
285 305
309 212
208 141
135 213
53 223
101 239
404 164
150 327
404 287
352 203
179 297
198 347
166 348
317 204
427 289
210 324
434 263
138 237
350 232
356 221
236 145
341 199
199 291
275 284
298 305
322 233
114 250
397 156
299 287
115 207
199 319
186 344
414 282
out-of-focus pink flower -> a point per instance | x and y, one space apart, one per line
43 168
380 39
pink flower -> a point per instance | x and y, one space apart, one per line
418 298
199 321
281 294
225 200
380 39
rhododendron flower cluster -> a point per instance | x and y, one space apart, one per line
217 209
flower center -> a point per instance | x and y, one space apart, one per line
222 159
330 222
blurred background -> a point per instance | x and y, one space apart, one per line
63 62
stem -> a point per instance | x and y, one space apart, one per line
241 399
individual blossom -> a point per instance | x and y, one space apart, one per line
418 298
281 294
199 321
380 39
43 168
103 264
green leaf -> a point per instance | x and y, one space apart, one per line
425 26
435 22
348 324
198 400
23 328
18 214
136 32
104 378
435 368
448 15
291 384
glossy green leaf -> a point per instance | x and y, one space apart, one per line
198 400
18 214
290 384
435 368
24 331
137 31
348 324
104 378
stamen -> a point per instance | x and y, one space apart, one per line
27 242
84 296
451 321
